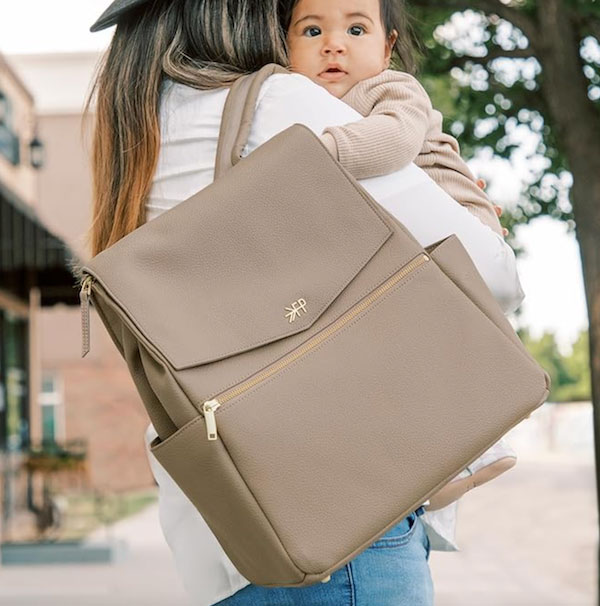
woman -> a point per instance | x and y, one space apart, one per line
160 95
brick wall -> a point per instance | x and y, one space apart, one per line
103 407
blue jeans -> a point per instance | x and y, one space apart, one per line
392 571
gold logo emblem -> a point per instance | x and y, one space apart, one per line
294 311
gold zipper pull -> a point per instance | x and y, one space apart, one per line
84 298
208 408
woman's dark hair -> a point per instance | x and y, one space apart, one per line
202 43
394 16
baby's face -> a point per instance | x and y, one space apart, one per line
337 43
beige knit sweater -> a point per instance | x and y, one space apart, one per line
401 126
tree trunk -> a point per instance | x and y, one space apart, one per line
578 126
587 234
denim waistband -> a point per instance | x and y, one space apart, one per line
420 511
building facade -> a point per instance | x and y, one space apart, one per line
35 273
94 398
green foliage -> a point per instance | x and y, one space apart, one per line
53 457
485 79
85 512
577 366
586 8
570 375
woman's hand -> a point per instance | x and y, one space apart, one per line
482 184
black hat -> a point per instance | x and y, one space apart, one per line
114 12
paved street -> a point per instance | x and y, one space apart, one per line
146 577
527 539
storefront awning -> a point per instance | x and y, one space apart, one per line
31 256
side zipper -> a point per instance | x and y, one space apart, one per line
84 299
209 406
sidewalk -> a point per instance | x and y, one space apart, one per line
527 539
145 577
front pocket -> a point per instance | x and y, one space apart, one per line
211 481
341 437
212 404
399 535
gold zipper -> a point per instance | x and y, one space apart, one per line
209 406
84 298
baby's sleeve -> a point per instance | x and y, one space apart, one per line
391 136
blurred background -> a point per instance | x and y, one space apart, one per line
519 85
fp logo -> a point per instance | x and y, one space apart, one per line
294 311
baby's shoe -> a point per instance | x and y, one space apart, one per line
496 460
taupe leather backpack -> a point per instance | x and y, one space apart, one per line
314 374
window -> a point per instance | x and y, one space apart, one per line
14 413
6 114
9 141
51 400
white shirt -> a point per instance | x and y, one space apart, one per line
190 122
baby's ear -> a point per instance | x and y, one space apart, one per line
389 45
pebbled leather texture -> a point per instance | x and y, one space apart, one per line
319 459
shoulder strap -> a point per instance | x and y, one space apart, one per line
237 116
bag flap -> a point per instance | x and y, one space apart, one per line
256 256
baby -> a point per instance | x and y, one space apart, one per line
346 46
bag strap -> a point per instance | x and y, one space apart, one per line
238 114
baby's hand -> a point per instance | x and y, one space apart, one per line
482 184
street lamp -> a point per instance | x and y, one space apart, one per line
36 153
